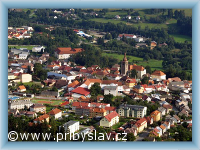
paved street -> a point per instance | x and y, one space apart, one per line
142 135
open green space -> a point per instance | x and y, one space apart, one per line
181 38
53 102
120 57
154 64
117 125
29 47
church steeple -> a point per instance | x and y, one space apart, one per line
125 59
124 65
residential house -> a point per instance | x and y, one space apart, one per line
31 114
41 119
162 110
38 108
21 88
56 113
158 75
175 86
97 112
110 119
140 125
111 90
153 44
24 78
156 115
138 89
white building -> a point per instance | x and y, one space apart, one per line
110 119
19 104
110 90
38 49
71 126
24 78
22 56
65 52
158 75
56 113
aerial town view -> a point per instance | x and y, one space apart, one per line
99 75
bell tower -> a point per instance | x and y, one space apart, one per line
124 65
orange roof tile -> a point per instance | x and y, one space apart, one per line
158 73
112 115
55 111
156 112
22 87
45 116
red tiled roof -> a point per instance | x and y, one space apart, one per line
158 73
45 116
68 50
76 104
65 103
82 91
156 112
138 68
22 87
110 108
55 111
112 115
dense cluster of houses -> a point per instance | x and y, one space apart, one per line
75 83
20 33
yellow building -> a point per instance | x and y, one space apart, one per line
131 83
138 89
24 78
110 119
97 112
156 115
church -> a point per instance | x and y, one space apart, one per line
126 68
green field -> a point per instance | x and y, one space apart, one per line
53 102
29 47
102 20
181 38
120 57
154 64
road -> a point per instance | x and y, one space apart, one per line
143 134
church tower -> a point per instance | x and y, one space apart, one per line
124 65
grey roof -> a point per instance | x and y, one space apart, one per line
133 107
110 87
69 123
177 83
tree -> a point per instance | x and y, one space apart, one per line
148 69
170 13
145 80
130 137
172 113
133 73
95 89
54 89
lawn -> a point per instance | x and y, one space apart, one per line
120 57
154 64
31 83
29 47
102 20
116 126
181 38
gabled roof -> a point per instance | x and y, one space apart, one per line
158 73
73 84
138 68
65 103
22 87
68 50
55 111
156 112
81 91
45 116
112 115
